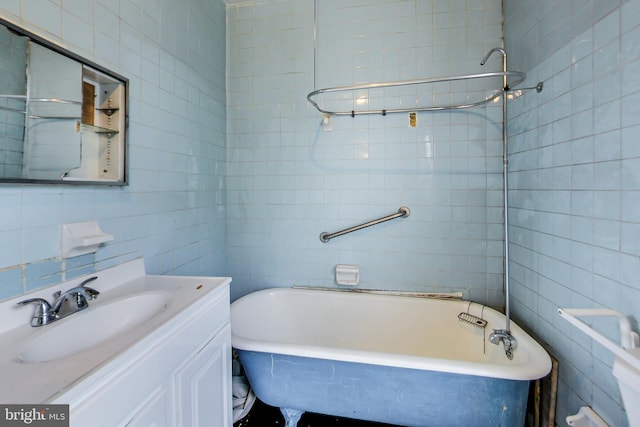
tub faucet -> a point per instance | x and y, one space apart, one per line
66 303
504 336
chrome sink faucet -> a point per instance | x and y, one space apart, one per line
66 303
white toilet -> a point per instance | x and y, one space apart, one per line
586 417
626 367
629 382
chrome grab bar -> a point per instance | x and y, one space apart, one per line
403 212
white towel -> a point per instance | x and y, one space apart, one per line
243 396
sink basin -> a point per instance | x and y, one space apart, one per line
93 326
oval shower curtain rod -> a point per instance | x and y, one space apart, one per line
517 76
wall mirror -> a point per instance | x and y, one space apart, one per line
63 119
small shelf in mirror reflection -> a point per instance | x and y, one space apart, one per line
98 129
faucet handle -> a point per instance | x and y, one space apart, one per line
84 282
81 290
84 293
42 313
87 292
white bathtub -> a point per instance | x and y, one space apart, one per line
311 334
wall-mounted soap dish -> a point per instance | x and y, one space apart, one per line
82 238
348 275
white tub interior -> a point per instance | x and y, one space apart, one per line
398 331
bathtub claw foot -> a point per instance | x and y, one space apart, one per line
291 416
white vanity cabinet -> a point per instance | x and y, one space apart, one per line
180 375
202 393
195 394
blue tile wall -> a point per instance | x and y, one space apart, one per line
172 213
288 180
235 175
575 199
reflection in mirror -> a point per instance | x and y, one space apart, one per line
13 94
52 145
62 118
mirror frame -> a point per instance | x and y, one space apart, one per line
22 32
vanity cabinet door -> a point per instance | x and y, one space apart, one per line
203 385
155 411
